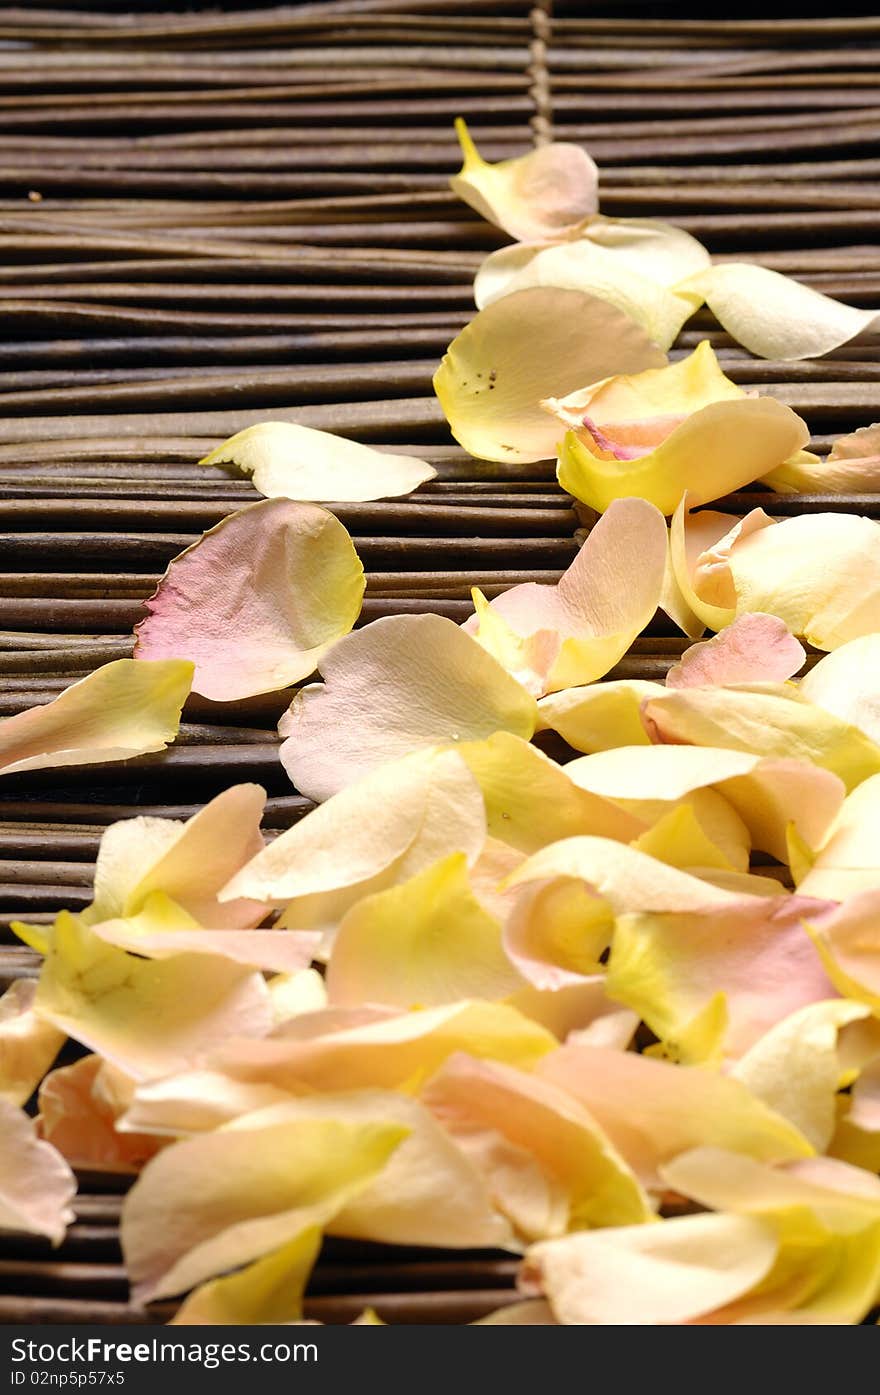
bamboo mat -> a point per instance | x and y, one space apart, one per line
209 218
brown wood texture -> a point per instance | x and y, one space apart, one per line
214 216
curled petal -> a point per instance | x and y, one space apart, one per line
847 861
36 1185
846 682
700 547
189 862
211 1203
652 1110
296 462
719 448
602 602
660 250
848 940
378 832
28 1044
121 710
257 600
397 686
480 1102
543 194
775 317
148 1017
269 1290
388 1051
427 941
642 408
536 342
851 466
583 265
754 649
650 1275
768 720
80 1106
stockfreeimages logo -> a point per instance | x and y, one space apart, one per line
30 1358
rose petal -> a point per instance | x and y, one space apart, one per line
583 265
769 796
754 649
148 1017
848 940
848 859
846 683
768 720
525 347
390 1052
652 1110
479 1102
542 194
257 600
531 801
121 710
36 1185
851 467
28 1044
396 686
796 1069
719 448
844 1198
80 1106
296 462
774 316
374 834
669 967
268 1291
428 941
210 1203
601 603
189 862
600 716
651 1275
700 547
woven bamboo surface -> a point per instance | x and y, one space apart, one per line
211 218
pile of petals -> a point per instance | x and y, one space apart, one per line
563 963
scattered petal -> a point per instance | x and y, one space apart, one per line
397 686
754 649
847 861
600 716
774 316
121 710
846 683
289 461
257 601
36 1185
80 1106
602 602
543 194
848 939
519 351
28 1044
650 1275
268 1291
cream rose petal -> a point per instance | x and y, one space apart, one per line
257 601
80 1106
851 466
652 1110
848 939
148 1017
774 316
527 346
846 683
754 649
479 1100
602 602
397 686
599 716
208 1204
380 831
28 1044
121 710
268 1291
542 194
189 862
847 860
650 1275
393 1051
36 1185
290 461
